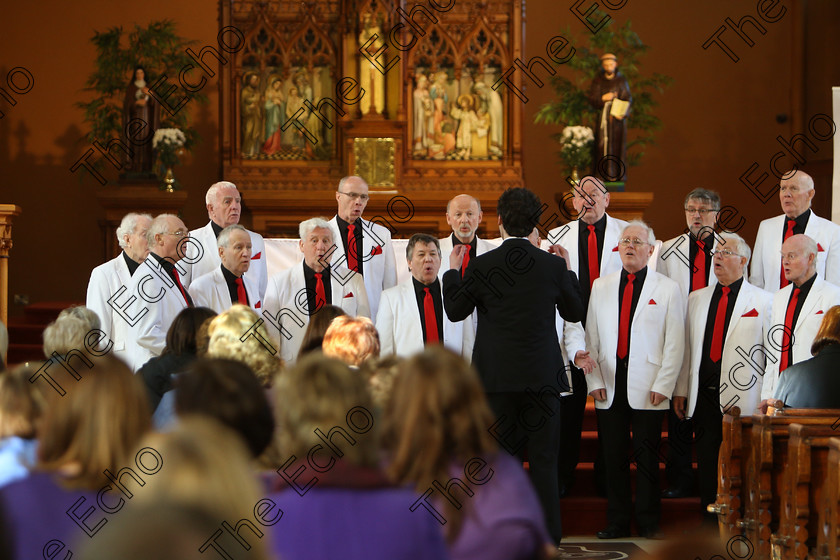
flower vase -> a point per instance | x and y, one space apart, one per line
169 180
575 176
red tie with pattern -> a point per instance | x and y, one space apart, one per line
241 296
181 287
352 249
592 249
465 262
624 320
431 318
788 232
716 350
698 276
785 361
320 295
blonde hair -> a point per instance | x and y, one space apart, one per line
239 334
96 424
206 466
353 340
324 394
68 331
21 403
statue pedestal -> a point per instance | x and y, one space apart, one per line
623 205
139 196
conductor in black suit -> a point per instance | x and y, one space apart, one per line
516 289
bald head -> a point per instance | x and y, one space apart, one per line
799 258
463 214
796 190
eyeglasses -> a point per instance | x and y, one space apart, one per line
179 233
356 196
635 242
701 211
725 253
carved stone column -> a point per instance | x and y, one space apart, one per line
7 214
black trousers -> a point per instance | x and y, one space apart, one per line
530 422
572 411
708 434
678 468
615 425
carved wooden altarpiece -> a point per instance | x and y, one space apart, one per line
428 126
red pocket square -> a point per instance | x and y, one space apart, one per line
376 250
751 313
819 312
615 249
820 249
257 256
258 305
349 295
651 302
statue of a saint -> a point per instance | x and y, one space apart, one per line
611 128
422 116
252 130
138 104
371 78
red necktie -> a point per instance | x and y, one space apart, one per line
181 287
785 361
624 320
698 277
720 320
788 232
320 295
592 249
465 262
431 318
352 249
241 296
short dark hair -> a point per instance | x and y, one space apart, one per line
319 322
230 392
705 195
420 238
519 210
183 333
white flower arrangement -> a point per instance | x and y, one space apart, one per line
576 146
170 137
577 136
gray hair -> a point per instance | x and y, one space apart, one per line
128 225
157 226
641 224
705 195
307 226
736 243
213 191
344 180
68 331
224 236
420 238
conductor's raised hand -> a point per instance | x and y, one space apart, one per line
560 251
457 256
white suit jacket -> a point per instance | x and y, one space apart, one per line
211 290
743 361
158 302
400 330
379 266
285 311
657 340
112 280
210 260
675 264
821 298
767 260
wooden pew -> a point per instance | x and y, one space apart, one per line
828 534
803 485
732 464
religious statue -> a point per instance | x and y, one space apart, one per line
491 104
423 122
252 130
371 78
467 123
138 104
611 128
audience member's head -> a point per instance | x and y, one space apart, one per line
21 403
240 334
164 531
313 336
353 340
228 391
207 466
829 331
68 331
437 414
95 425
381 375
181 338
519 211
323 393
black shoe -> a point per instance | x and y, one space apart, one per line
613 532
676 492
652 533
